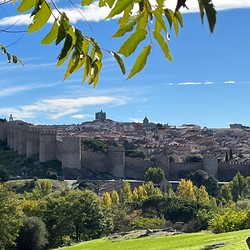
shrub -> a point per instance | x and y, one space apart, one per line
227 220
156 175
144 223
32 235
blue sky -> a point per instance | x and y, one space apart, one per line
208 82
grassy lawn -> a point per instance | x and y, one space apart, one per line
194 241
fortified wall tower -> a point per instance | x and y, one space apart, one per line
162 161
16 134
32 140
210 164
117 161
11 135
71 152
47 144
22 139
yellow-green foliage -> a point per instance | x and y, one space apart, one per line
10 217
229 218
115 197
186 190
107 199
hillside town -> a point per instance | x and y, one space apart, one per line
226 144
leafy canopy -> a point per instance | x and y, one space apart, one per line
142 21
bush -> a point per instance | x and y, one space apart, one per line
4 175
156 175
144 223
228 219
32 235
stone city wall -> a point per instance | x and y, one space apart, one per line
135 168
96 161
178 170
47 145
30 140
227 170
71 152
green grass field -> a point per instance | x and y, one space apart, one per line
194 241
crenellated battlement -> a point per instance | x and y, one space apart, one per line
48 131
33 128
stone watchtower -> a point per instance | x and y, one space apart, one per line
32 140
11 118
210 164
117 161
71 152
22 139
47 146
100 116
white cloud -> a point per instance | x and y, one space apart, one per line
96 14
196 83
137 120
189 83
219 5
9 91
60 107
230 82
81 116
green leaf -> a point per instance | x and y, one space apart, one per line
179 18
86 2
52 35
64 26
160 3
163 45
132 42
169 15
174 18
120 6
140 61
148 8
67 47
3 49
142 20
9 57
201 6
160 20
14 59
41 17
110 3
120 61
26 5
124 29
210 12
176 25
97 71
61 35
37 7
85 46
87 67
74 64
101 3
126 18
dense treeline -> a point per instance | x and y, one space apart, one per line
45 217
